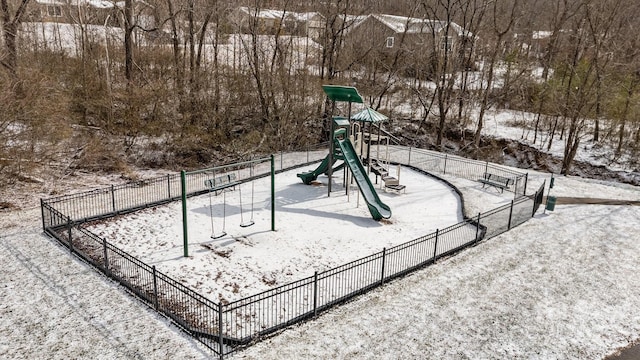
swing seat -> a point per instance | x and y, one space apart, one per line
247 224
222 234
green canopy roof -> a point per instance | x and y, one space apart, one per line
341 121
342 93
369 115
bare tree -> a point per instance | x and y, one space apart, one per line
472 20
501 10
173 14
603 26
337 21
128 40
442 62
629 86
562 12
11 21
579 82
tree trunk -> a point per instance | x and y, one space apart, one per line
128 40
623 120
178 81
9 57
497 46
571 147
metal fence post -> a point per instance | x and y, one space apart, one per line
168 186
106 258
409 160
486 167
113 198
478 228
435 246
44 227
273 195
539 193
155 287
526 180
315 294
444 171
185 233
384 254
220 338
510 216
69 234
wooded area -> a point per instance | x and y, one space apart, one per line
190 83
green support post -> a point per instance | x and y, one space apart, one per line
273 195
183 185
331 149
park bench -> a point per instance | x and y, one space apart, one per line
497 181
391 183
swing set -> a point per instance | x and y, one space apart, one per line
231 176
222 184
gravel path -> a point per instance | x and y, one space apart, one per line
593 201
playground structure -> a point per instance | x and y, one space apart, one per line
226 327
353 148
220 180
378 165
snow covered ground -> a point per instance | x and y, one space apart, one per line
519 125
55 307
563 285
313 232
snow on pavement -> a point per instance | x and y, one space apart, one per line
563 286
54 306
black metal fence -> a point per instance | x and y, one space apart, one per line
136 195
445 164
226 327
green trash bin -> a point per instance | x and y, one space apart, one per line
551 203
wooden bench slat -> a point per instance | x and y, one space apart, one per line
497 181
396 187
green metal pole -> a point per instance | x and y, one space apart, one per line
183 183
331 149
273 195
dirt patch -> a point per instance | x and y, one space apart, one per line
5 205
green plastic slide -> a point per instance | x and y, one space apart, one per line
308 176
377 208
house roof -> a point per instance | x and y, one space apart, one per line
279 14
354 19
539 35
103 4
100 4
410 25
97 4
51 2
